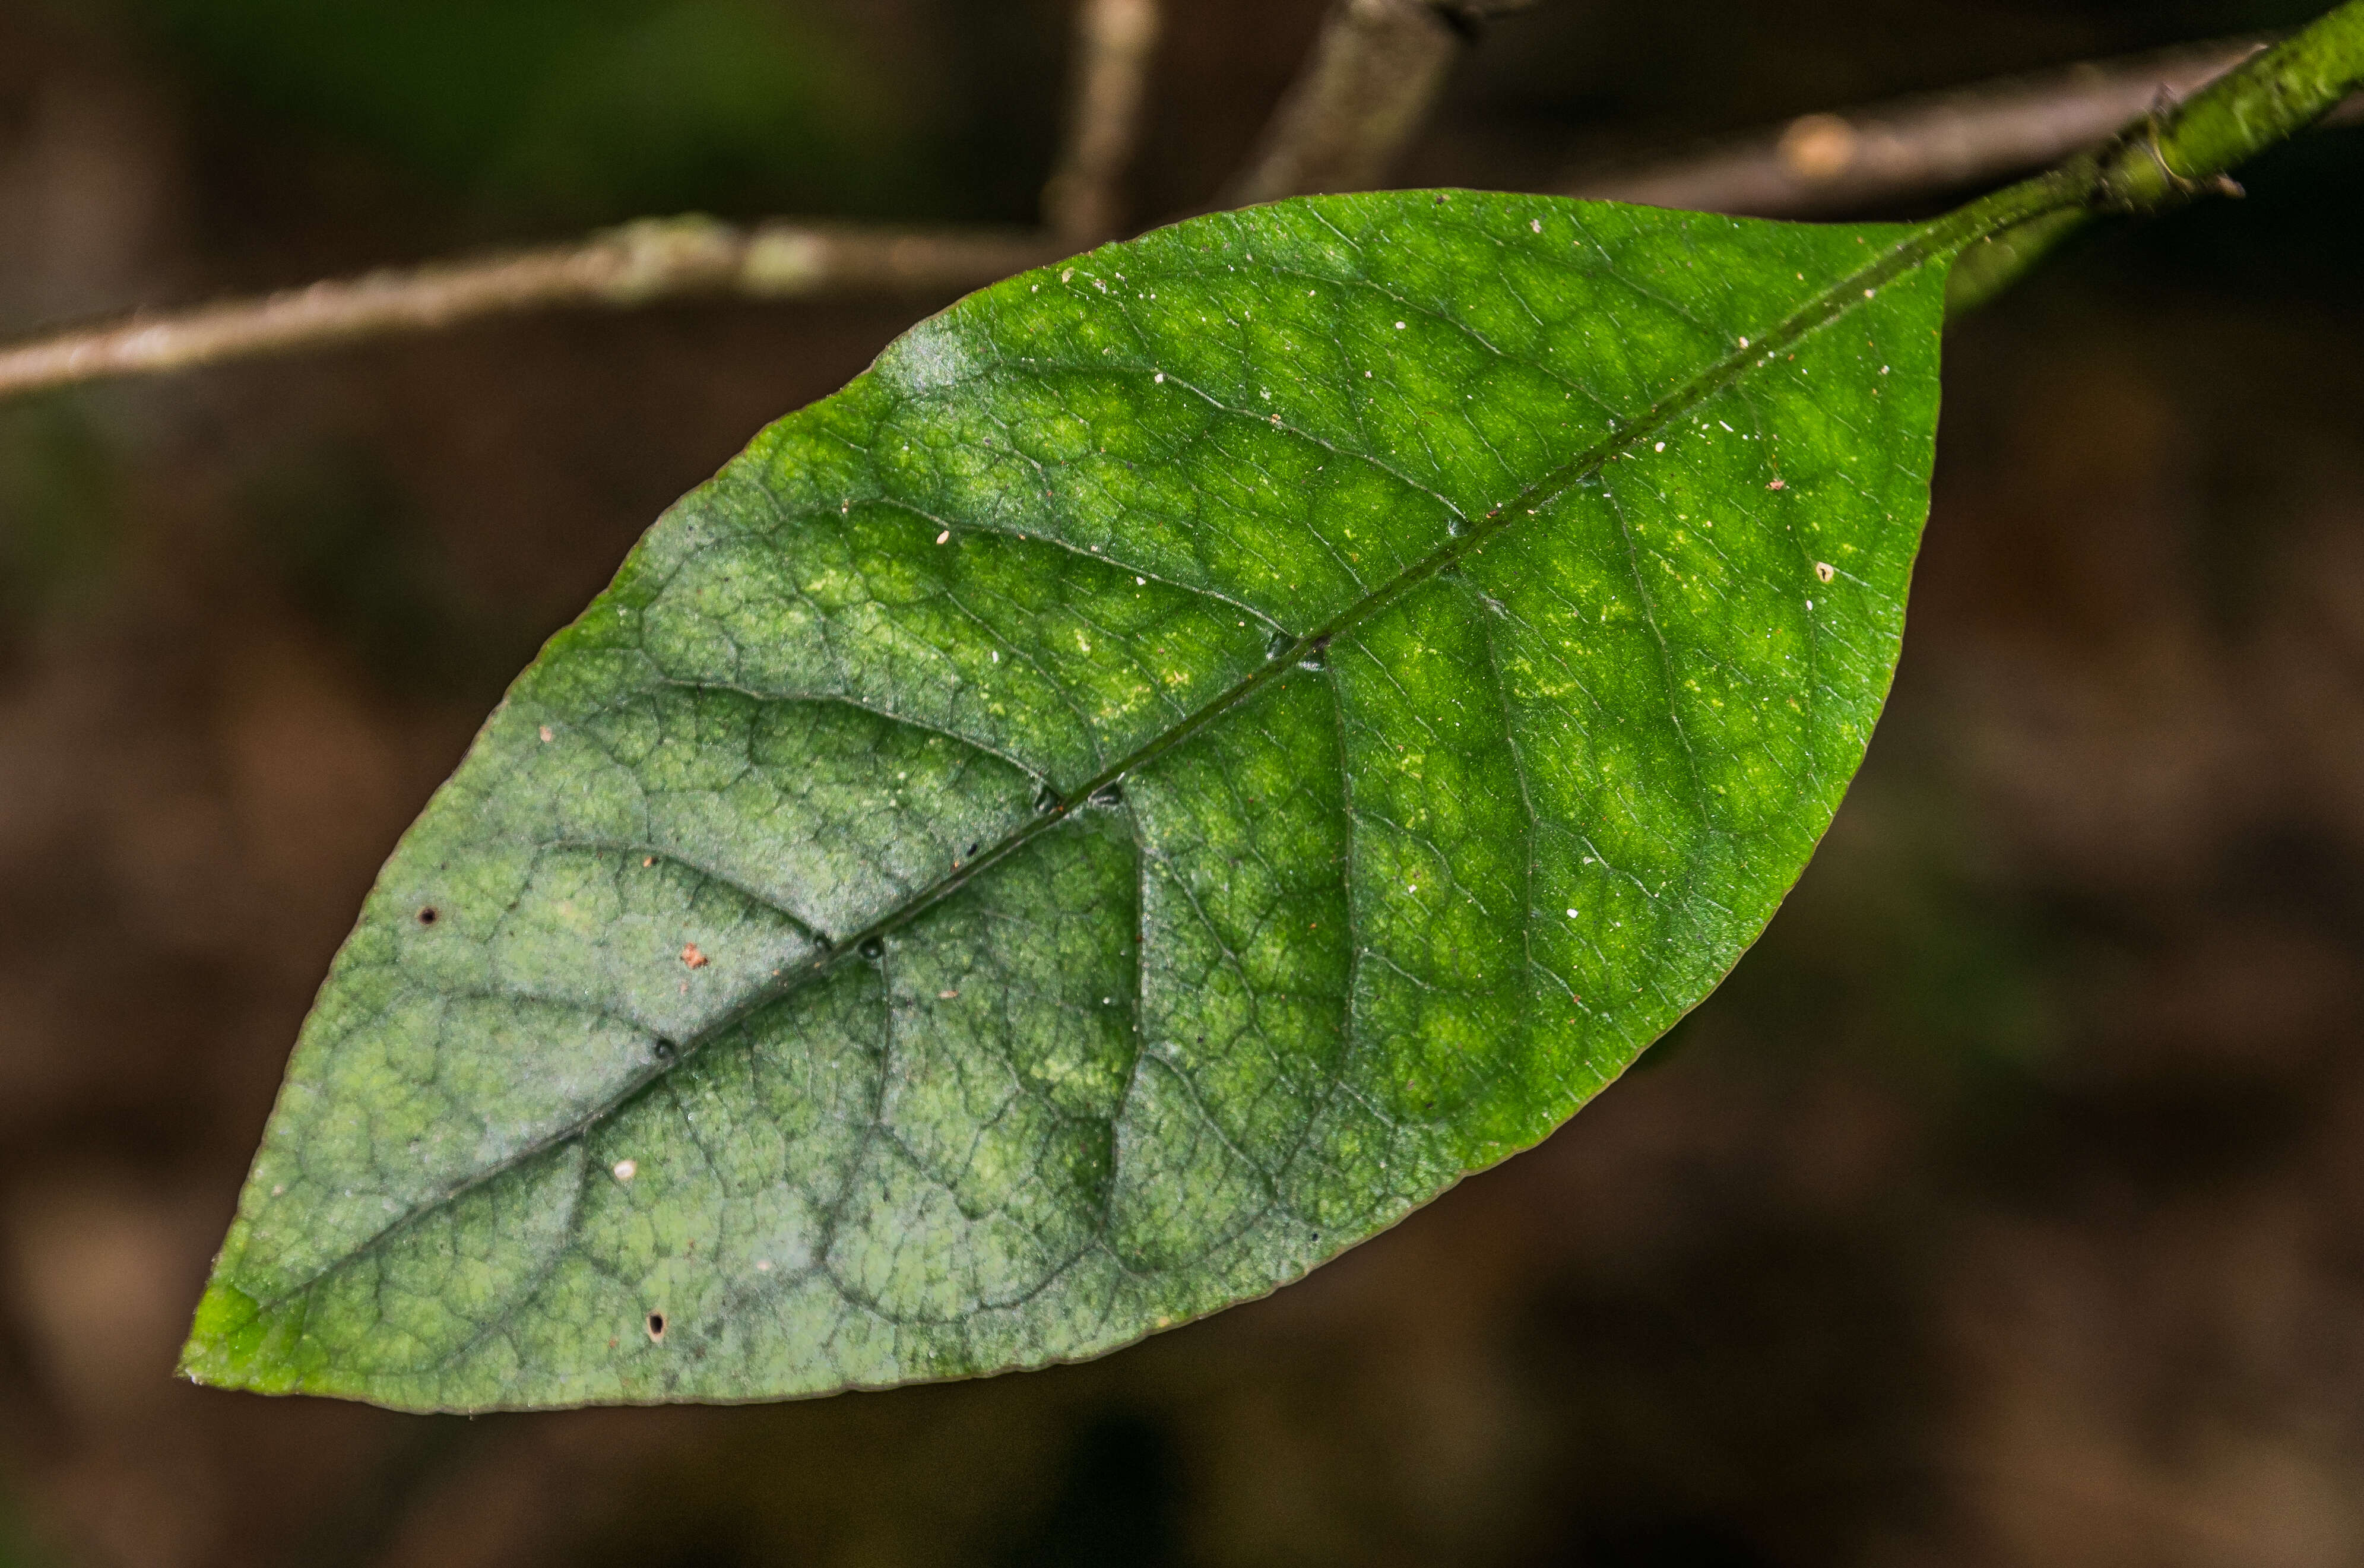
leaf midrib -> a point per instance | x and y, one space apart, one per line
1939 239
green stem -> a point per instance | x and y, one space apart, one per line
2167 160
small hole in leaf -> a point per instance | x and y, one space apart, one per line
873 949
665 1050
656 1327
430 916
1046 800
1107 795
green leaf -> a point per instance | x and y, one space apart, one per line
1196 750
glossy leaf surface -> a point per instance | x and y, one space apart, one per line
1197 749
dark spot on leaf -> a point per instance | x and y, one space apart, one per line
1278 643
428 915
1107 795
665 1050
974 847
657 1327
873 949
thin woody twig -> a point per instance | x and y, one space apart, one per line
640 264
1918 150
1374 74
1825 163
1083 202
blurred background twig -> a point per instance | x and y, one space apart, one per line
1918 148
1364 93
644 262
1372 78
1115 40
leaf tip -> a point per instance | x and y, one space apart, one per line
226 1339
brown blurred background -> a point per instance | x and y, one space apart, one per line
2006 1206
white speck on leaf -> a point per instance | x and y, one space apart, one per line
627 1169
546 734
1400 326
945 537
928 356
